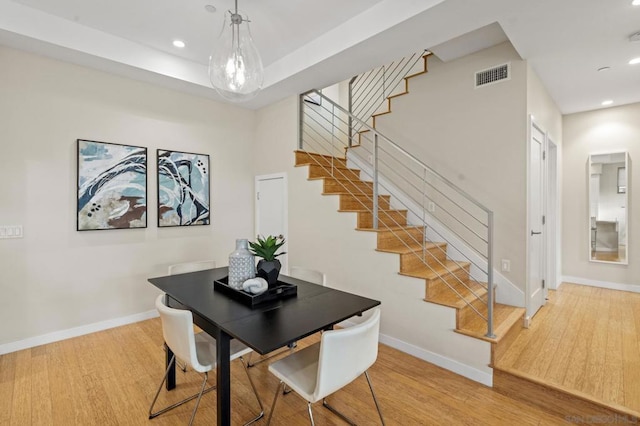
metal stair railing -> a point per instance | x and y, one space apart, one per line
443 211
368 91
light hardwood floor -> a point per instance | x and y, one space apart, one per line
109 378
585 339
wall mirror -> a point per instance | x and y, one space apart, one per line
608 236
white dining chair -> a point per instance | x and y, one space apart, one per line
320 370
184 268
310 275
197 350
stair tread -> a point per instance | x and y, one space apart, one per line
412 248
345 179
398 94
369 196
391 228
367 210
450 298
318 154
504 317
436 271
337 165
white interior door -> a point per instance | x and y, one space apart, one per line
271 208
536 260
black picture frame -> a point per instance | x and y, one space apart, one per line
184 188
111 186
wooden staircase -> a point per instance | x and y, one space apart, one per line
447 282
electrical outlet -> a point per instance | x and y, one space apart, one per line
505 265
431 206
11 231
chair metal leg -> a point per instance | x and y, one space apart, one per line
310 414
204 384
275 399
366 374
255 392
177 404
345 418
326 405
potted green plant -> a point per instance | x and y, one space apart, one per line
267 249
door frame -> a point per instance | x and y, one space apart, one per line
551 213
284 259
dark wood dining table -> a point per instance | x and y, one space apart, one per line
264 328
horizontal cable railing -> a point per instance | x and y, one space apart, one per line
369 91
437 210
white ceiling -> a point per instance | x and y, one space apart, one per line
306 43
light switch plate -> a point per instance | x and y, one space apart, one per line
505 265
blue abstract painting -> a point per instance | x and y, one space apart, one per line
183 189
112 186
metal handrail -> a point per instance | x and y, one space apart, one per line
326 126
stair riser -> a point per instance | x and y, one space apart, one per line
392 218
400 238
316 172
467 314
432 256
303 158
439 288
451 278
351 202
332 186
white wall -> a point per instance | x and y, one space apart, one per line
596 132
543 108
56 278
474 137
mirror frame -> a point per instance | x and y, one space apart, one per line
593 220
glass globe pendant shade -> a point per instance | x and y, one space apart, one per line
235 67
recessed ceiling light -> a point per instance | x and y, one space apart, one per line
607 102
212 9
604 68
636 2
179 43
634 61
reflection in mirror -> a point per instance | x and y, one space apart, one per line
608 207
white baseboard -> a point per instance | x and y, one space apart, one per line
604 284
75 332
439 360
434 358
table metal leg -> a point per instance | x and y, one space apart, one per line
223 379
171 376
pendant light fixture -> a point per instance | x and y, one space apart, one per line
235 67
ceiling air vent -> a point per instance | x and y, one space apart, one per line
493 75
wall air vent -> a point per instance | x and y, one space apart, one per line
493 75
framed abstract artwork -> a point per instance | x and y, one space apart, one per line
183 189
112 186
